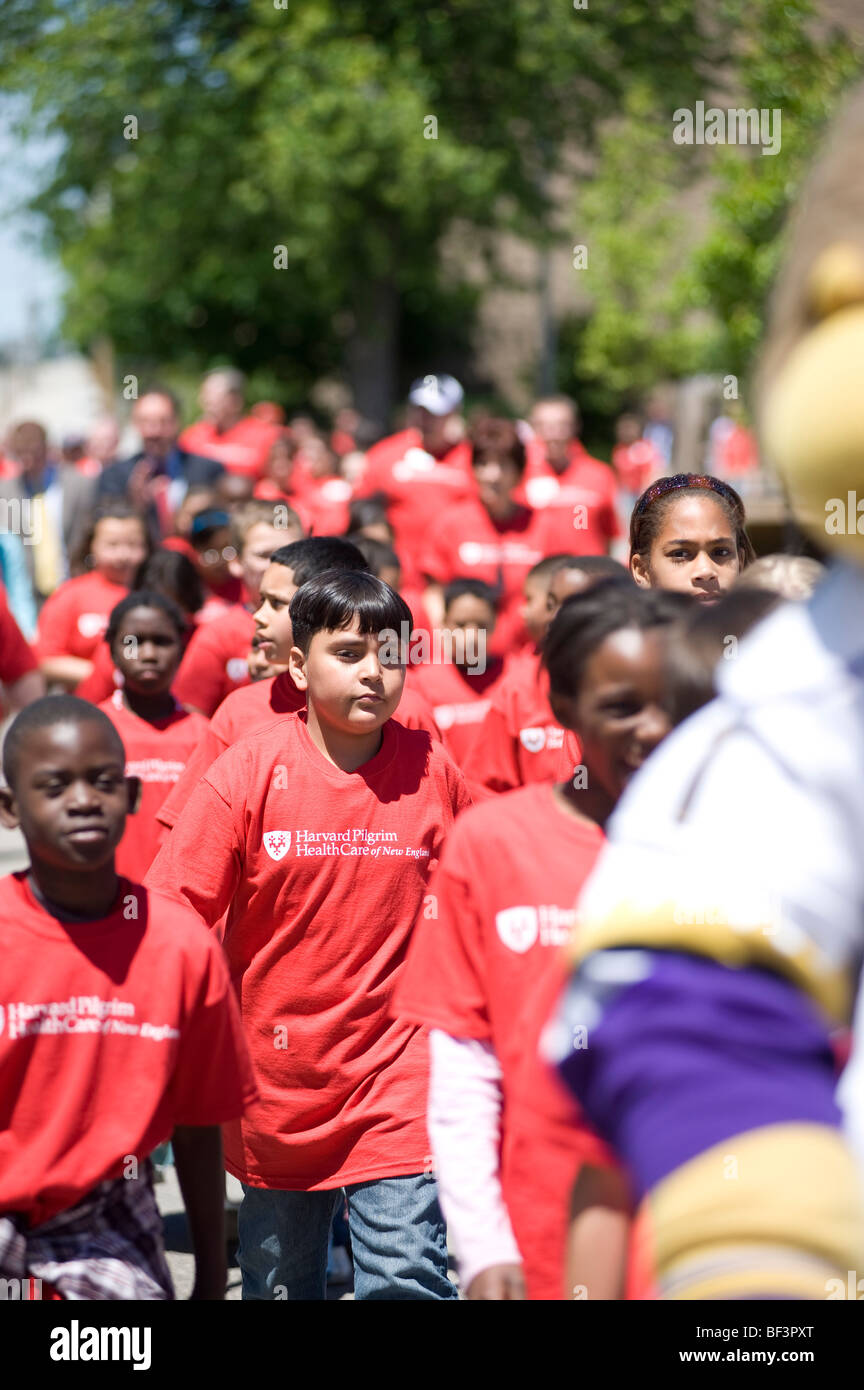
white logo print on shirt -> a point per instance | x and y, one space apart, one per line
520 927
277 843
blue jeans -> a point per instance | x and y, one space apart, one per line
398 1241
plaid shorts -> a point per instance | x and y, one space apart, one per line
108 1246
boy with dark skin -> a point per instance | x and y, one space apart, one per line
68 793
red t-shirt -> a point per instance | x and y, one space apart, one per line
458 701
569 757
490 968
519 741
325 501
242 449
115 1031
214 663
467 544
637 464
587 484
249 709
73 620
321 874
157 754
16 657
418 487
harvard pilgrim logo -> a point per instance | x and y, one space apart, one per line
532 740
518 927
277 843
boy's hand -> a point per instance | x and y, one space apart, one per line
498 1283
198 1159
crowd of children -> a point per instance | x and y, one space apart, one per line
399 850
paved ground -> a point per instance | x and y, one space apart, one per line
178 1249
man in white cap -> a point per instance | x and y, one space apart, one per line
422 469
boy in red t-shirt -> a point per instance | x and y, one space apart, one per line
214 663
145 637
247 709
315 837
120 1030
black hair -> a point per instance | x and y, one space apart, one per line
331 601
315 554
457 588
367 511
172 573
585 620
698 643
144 598
378 555
599 566
43 714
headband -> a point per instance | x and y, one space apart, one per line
679 481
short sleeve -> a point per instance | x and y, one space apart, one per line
442 985
16 657
53 633
213 1080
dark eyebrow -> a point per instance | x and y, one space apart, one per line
691 541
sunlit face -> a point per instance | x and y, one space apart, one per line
273 630
261 540
71 795
118 547
280 464
156 421
563 584
147 651
392 575
533 612
496 479
618 712
694 552
350 680
30 450
214 559
103 441
260 668
220 405
470 619
554 422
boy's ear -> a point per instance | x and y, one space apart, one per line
8 809
297 668
133 792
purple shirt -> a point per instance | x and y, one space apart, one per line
695 1053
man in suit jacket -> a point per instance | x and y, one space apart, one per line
156 479
48 505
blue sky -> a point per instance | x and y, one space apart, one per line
30 283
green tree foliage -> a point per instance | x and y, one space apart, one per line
683 241
305 125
